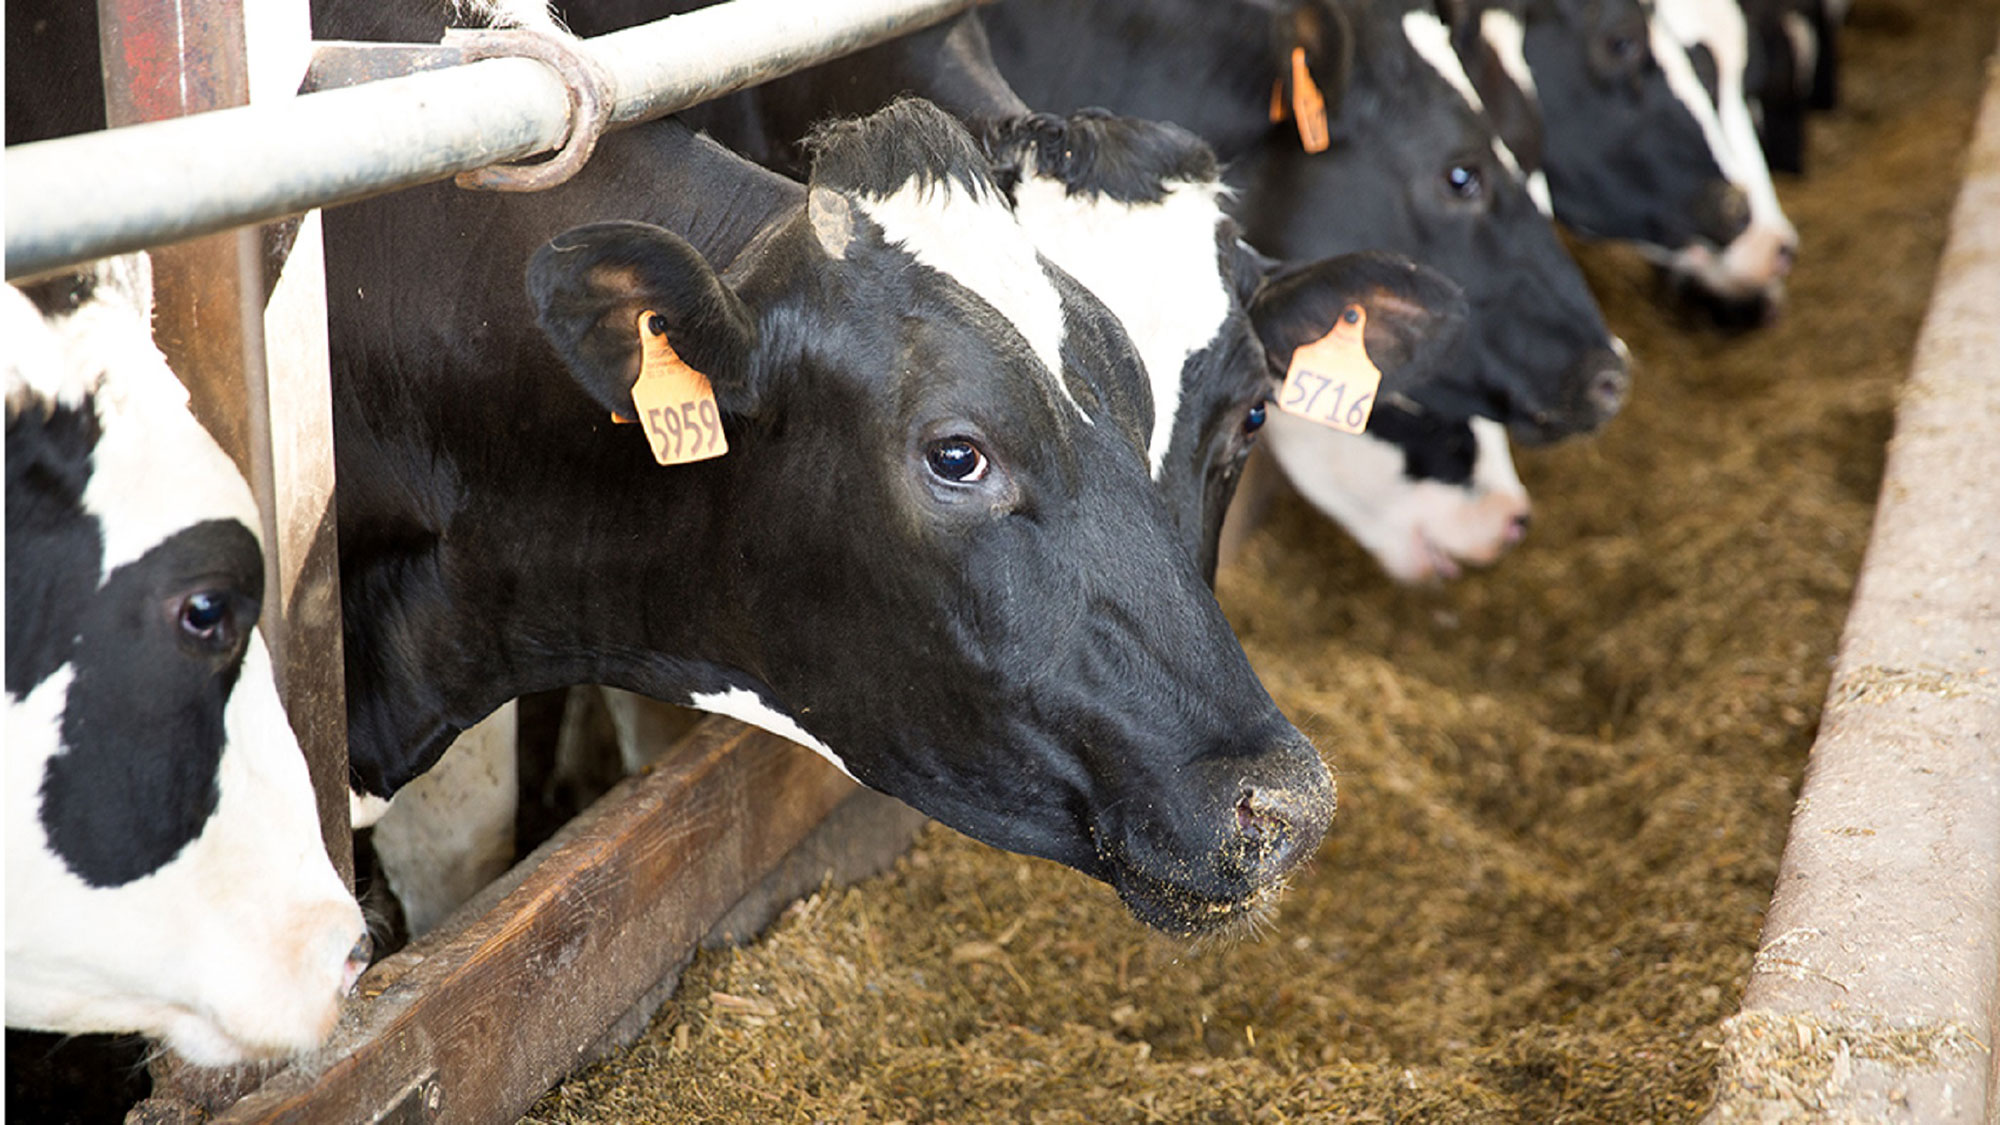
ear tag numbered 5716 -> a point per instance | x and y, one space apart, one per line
1331 380
675 402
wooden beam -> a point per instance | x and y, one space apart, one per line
475 1020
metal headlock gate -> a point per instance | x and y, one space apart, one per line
209 133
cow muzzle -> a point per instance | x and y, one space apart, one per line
1743 282
1213 867
1595 391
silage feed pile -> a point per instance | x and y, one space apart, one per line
1564 782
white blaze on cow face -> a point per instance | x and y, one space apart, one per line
1758 259
1155 265
1419 530
1503 31
973 238
746 706
230 939
1431 39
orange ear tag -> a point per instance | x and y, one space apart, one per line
674 401
1308 105
1331 380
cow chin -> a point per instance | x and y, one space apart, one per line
1740 286
204 1042
1172 908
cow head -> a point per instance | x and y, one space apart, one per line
1412 165
1703 49
1132 208
165 873
935 547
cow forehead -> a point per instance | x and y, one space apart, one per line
1155 265
1503 31
970 236
1431 40
155 470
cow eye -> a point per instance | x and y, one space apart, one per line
957 460
1625 48
1463 181
206 619
1254 421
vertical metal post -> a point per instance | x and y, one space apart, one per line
241 317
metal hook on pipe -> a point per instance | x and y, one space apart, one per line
590 101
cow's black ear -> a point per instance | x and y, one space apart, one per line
1417 316
589 286
1325 33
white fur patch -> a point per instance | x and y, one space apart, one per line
1538 190
1154 265
1493 467
163 471
747 706
235 948
975 240
364 809
1431 39
1502 31
1419 530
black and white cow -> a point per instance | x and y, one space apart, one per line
1419 488
165 872
1626 125
933 551
1745 277
1409 167
1133 209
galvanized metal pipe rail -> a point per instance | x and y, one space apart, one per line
82 197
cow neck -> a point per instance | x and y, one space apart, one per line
471 570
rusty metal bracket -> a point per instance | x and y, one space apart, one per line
590 102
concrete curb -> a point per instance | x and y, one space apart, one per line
1875 991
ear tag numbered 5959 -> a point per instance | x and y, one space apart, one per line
1331 380
675 402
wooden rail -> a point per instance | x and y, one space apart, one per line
473 1021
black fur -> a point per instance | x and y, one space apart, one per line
908 138
1095 152
143 721
53 545
589 285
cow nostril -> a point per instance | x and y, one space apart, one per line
1607 391
357 963
1723 213
1277 830
1517 528
1788 256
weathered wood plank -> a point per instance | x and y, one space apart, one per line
473 1022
